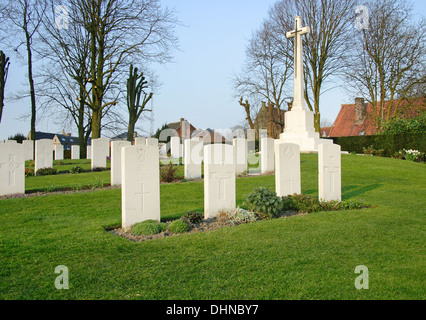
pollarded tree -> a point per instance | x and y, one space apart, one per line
4 68
265 73
136 85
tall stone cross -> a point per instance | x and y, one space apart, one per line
298 85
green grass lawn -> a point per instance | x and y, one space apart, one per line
302 257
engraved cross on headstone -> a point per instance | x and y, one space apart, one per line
290 181
142 194
331 169
11 165
221 185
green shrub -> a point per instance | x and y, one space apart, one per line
46 172
301 203
384 144
239 215
178 226
192 217
401 125
264 202
308 204
148 227
168 173
76 169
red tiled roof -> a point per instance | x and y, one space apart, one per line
346 124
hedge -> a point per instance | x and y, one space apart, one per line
390 143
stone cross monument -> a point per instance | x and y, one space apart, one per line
298 91
299 122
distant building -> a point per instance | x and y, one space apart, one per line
123 136
262 119
357 119
184 128
64 139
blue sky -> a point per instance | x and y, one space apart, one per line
197 86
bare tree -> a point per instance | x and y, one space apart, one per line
118 31
324 47
266 71
23 19
388 59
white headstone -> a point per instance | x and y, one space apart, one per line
175 147
43 154
140 188
329 172
193 158
152 142
140 141
100 151
59 151
116 147
219 179
267 155
89 152
240 154
28 149
12 169
75 152
287 169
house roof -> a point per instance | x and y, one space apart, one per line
208 135
346 123
176 126
66 141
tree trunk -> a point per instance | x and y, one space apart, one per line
32 90
130 130
96 124
81 139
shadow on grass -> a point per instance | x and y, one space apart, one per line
355 190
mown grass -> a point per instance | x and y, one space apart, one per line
302 257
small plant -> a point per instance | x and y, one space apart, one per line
411 154
398 155
148 227
264 202
46 172
168 173
238 216
29 172
368 150
98 184
76 169
178 226
192 217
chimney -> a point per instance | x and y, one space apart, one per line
181 127
359 110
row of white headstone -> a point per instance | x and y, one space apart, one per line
141 184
